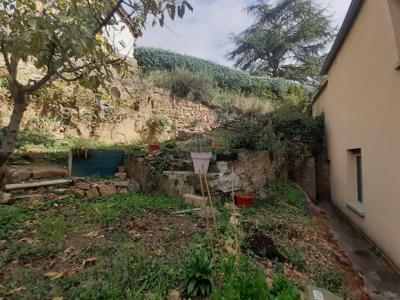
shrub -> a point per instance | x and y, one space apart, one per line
200 275
3 81
283 289
137 150
183 83
287 191
31 137
244 281
157 124
247 133
170 144
151 59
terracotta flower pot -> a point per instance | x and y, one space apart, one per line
244 201
201 161
121 169
154 147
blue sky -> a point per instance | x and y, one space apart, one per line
206 32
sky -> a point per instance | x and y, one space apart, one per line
206 31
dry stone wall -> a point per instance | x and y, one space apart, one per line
108 118
251 173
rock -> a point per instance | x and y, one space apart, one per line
134 186
60 191
5 198
78 179
124 184
121 175
262 195
122 191
49 172
29 156
222 166
31 198
78 192
194 200
230 206
92 193
174 295
107 190
17 175
82 185
208 212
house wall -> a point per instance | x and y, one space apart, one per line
362 110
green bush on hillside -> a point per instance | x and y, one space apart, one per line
31 137
151 59
183 83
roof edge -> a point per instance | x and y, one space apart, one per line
348 22
319 92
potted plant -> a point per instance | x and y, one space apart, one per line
156 125
244 199
201 155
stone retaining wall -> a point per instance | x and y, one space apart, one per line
251 173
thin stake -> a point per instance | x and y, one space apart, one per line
211 204
237 247
204 206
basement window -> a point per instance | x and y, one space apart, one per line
356 181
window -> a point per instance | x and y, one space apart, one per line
358 161
355 181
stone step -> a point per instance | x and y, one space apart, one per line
18 186
195 200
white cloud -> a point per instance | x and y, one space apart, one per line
206 32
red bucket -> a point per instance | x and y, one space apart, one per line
244 201
154 147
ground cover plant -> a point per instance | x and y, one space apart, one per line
130 246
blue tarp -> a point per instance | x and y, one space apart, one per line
102 163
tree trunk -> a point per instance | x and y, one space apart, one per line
11 131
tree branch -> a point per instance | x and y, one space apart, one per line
38 84
107 19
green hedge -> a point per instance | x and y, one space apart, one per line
151 59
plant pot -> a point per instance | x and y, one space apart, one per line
227 156
121 169
154 147
244 201
201 161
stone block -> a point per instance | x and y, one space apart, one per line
49 172
107 190
122 191
124 184
195 200
92 193
17 175
30 197
208 212
82 185
134 186
5 198
121 175
222 166
78 192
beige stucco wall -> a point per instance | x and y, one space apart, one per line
362 110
